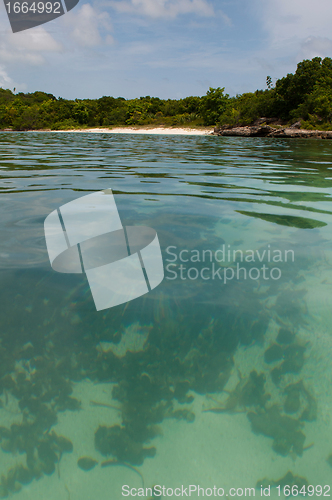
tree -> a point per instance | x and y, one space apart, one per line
213 105
292 90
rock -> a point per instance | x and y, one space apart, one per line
267 131
296 124
265 121
253 131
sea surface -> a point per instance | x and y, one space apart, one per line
218 378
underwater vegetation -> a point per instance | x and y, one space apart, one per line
270 417
286 220
287 480
329 459
268 420
117 442
287 350
189 350
248 392
43 453
114 462
285 431
86 463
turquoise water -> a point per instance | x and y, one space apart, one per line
226 360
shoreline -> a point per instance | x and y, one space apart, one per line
131 130
146 130
241 131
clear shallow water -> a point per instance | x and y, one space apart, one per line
225 356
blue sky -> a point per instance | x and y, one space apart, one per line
164 48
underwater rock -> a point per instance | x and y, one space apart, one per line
86 463
117 442
283 430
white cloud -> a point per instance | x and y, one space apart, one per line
294 30
5 80
163 8
27 46
35 40
295 19
87 24
316 46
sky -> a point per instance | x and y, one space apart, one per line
164 48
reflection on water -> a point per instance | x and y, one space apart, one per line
226 360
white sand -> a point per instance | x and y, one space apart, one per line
136 130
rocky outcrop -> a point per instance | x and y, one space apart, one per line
267 131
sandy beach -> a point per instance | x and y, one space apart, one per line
144 130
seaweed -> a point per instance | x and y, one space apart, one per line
287 480
293 361
310 412
286 220
274 353
293 397
183 414
248 393
116 441
329 459
180 392
86 463
285 431
181 357
115 462
285 336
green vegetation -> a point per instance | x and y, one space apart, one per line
305 95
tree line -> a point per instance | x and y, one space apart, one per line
305 95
